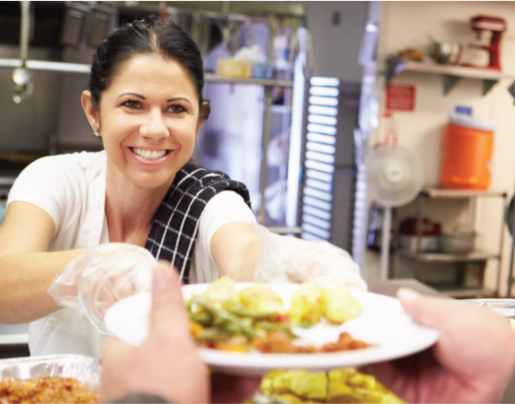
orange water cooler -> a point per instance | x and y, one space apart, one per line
467 154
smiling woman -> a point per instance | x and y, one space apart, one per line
145 101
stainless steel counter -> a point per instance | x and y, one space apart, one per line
14 334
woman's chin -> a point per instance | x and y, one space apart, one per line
152 181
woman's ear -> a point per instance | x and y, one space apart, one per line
90 111
205 110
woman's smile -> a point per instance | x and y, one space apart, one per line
148 154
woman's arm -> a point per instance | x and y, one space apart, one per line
235 248
26 269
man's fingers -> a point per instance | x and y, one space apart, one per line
428 311
168 308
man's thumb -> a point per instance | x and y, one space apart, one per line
168 308
425 310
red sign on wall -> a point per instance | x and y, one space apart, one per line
400 97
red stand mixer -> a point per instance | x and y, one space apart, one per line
496 26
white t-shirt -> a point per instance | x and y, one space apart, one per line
71 189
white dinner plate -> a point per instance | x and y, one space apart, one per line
382 323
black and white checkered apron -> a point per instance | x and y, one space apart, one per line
174 231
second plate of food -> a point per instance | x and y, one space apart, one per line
245 329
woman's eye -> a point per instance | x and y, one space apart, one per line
132 104
176 109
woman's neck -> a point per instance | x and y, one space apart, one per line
130 210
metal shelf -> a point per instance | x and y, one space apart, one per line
474 256
285 230
457 193
14 339
86 69
223 8
463 293
7 181
212 78
460 259
451 73
43 65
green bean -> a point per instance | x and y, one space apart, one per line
201 318
212 334
225 315
304 324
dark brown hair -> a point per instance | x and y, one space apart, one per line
146 37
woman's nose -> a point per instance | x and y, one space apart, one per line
154 126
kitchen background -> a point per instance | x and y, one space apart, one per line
305 84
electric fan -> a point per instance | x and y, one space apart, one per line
394 177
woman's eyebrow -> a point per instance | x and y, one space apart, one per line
179 99
133 94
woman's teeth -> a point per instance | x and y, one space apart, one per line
149 154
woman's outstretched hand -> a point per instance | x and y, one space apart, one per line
99 277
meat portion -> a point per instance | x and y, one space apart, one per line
279 342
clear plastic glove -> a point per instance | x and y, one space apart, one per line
290 259
96 279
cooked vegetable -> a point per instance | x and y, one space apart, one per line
338 305
222 291
261 298
255 318
298 382
222 317
351 386
305 305
337 386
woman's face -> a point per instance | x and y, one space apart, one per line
148 119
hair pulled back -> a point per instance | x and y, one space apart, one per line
144 37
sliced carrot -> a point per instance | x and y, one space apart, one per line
195 329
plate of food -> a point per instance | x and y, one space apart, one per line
250 329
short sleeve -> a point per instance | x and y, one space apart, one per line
225 207
50 184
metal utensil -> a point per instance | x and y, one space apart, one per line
23 87
446 52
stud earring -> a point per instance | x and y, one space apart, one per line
96 133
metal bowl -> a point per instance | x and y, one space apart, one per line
446 53
461 243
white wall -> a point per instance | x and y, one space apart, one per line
412 24
336 47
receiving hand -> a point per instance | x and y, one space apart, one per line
166 364
472 361
96 279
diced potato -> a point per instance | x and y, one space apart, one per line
258 292
338 305
313 385
305 307
261 298
351 386
220 291
302 383
337 386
